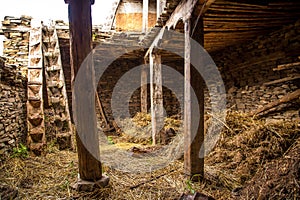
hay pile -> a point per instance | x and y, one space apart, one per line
46 177
252 160
138 129
247 144
278 179
52 177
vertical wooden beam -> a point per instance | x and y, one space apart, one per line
160 5
80 46
187 100
193 157
145 15
156 95
144 76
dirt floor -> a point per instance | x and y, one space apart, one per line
254 159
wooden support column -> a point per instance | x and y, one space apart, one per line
156 95
144 89
145 15
80 46
160 5
193 157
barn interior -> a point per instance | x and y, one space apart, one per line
145 57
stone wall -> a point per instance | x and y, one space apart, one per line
15 44
112 76
13 129
247 71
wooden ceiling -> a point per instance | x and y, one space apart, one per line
228 22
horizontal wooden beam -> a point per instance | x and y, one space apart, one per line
287 98
182 12
68 1
287 66
283 80
155 42
246 19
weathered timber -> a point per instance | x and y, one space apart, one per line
56 88
282 80
103 116
145 15
144 76
36 139
187 101
157 119
244 21
80 46
287 66
182 12
160 4
194 142
287 98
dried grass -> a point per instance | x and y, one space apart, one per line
250 143
249 148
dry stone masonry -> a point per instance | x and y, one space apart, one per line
250 75
13 129
43 99
15 45
250 72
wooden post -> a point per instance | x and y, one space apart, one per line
160 5
145 15
144 76
156 95
193 157
80 46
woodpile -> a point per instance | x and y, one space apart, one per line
15 46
